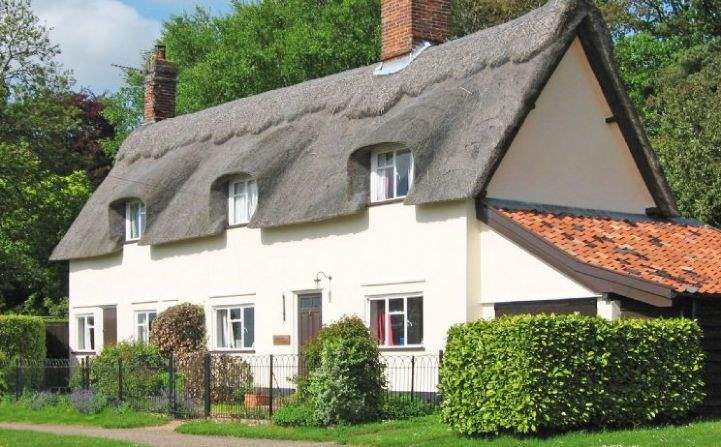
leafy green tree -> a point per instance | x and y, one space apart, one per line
36 207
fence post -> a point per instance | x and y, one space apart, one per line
19 378
120 379
270 389
86 372
440 364
413 375
206 384
172 404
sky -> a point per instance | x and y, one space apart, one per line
93 34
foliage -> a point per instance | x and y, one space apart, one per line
294 415
26 53
38 400
688 135
526 374
403 407
87 401
345 381
143 371
179 330
22 337
231 377
123 110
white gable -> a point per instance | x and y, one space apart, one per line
566 154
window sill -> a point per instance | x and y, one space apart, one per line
232 351
238 225
416 348
387 201
131 241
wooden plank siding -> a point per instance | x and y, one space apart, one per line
583 306
708 315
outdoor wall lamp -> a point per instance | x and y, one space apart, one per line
318 280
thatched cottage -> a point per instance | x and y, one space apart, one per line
499 173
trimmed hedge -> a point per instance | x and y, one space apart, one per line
144 371
526 374
22 337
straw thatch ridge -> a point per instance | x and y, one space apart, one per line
457 107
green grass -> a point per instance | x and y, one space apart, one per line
20 438
64 414
428 431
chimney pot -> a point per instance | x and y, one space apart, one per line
160 87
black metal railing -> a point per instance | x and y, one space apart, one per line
209 385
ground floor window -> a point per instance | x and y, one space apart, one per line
397 320
235 327
143 323
86 332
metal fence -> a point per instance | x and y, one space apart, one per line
209 385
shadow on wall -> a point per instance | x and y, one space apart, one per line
97 263
441 212
340 226
189 247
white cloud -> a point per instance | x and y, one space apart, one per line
93 34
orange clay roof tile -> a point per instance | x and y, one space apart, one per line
682 256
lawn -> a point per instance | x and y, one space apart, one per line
64 414
19 438
428 431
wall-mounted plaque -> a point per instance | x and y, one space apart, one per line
281 340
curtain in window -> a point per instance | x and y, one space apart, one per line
81 333
222 329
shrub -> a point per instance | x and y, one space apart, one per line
22 337
526 374
144 371
294 415
231 377
403 407
345 380
39 400
88 401
180 330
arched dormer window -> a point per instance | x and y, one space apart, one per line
391 174
134 220
242 201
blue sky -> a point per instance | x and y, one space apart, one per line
93 34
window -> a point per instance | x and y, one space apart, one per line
134 220
391 174
397 320
86 333
143 323
242 200
235 327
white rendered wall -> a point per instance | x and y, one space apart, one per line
510 273
566 154
391 248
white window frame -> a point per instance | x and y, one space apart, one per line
404 312
141 215
145 325
248 186
375 179
229 328
86 332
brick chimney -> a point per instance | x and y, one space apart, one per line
408 22
160 85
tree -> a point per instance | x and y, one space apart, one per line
36 207
26 53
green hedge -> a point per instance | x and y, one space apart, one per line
526 374
144 372
22 336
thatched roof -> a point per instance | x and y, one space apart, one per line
457 107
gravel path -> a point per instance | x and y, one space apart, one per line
163 436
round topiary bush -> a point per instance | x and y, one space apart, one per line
179 330
345 382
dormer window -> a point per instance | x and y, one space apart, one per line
134 220
242 201
391 174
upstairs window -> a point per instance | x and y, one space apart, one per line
134 220
86 333
391 174
235 327
242 201
143 323
397 321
